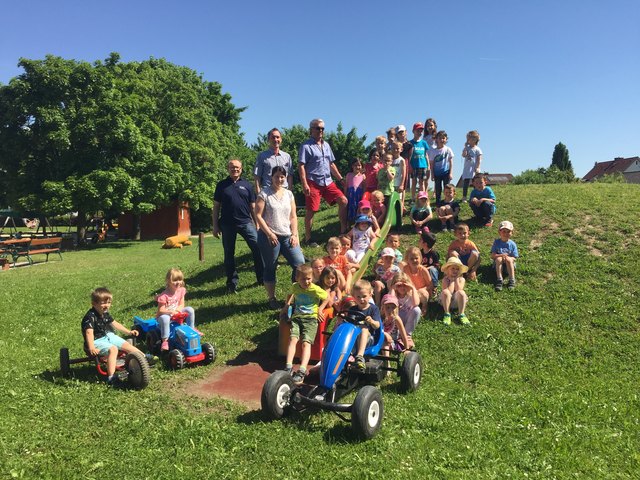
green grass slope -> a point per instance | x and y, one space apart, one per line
542 385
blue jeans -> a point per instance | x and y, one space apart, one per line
165 322
433 272
250 234
484 211
270 254
439 181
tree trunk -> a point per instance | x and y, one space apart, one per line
81 225
136 226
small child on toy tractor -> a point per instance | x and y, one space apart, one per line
97 330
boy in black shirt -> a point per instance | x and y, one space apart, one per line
97 330
362 294
430 258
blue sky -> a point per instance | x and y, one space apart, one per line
526 75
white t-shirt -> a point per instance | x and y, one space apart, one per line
276 210
471 162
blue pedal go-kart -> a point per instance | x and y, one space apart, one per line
339 376
184 342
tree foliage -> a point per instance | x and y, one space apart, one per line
560 158
113 136
545 175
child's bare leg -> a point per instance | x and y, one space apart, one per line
305 355
445 300
499 268
291 350
127 347
460 298
423 293
362 342
112 357
511 269
377 290
473 264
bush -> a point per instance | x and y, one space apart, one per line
545 175
616 177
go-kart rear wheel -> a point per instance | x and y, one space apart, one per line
176 359
276 395
65 364
153 342
410 372
209 353
138 370
367 412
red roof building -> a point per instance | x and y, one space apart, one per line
628 167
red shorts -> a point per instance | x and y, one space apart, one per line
331 193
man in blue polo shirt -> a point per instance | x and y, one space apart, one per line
233 214
274 157
316 165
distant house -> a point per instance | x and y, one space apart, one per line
492 179
166 221
628 167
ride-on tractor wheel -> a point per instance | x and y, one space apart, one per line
276 395
411 372
153 340
209 353
138 369
65 365
367 412
176 359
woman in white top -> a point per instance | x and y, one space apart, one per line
278 233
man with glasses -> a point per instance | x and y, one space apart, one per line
316 164
233 213
274 157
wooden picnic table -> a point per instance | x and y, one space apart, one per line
16 247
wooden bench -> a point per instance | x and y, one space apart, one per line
37 246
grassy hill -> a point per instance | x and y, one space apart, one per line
543 384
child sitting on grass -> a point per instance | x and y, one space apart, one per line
364 208
482 201
171 301
421 212
362 239
465 250
419 276
362 296
393 241
395 336
97 330
408 303
329 281
504 252
345 246
430 258
384 269
449 209
453 294
305 297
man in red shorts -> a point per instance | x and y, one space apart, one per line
316 165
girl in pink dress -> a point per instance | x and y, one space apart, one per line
171 301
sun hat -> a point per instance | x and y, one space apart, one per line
364 204
418 125
423 194
363 219
390 298
401 128
506 224
454 261
388 252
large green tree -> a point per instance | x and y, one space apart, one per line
560 158
112 136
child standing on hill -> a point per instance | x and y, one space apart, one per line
449 209
472 158
354 188
453 294
419 164
386 177
401 171
171 301
482 201
441 163
309 301
371 170
465 250
421 212
504 252
430 131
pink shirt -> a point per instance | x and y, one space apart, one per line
171 302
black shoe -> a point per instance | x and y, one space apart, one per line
274 304
310 243
298 377
232 289
498 285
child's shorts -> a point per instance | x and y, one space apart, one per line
104 343
418 173
465 258
304 328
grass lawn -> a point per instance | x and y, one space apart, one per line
544 384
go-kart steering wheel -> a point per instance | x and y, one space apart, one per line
179 317
355 317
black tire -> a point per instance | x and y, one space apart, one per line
153 342
176 359
276 395
367 412
209 353
411 372
65 364
138 370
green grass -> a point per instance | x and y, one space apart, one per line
542 385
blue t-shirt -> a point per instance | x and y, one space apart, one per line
441 159
509 247
317 160
486 193
419 155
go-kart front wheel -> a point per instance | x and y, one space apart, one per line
276 395
138 370
411 372
367 412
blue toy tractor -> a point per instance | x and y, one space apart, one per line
340 376
184 342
